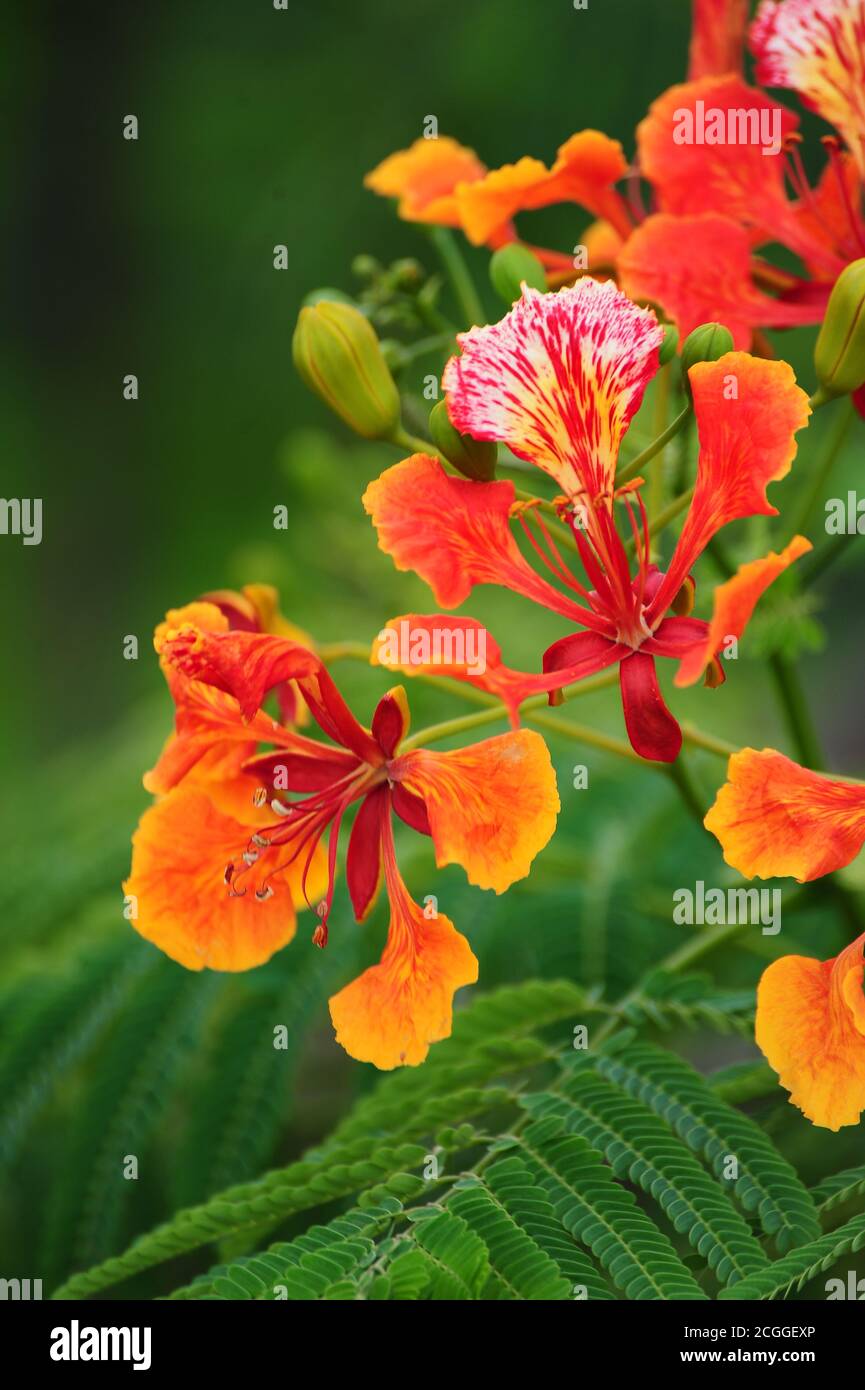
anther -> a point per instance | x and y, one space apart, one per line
262 894
260 840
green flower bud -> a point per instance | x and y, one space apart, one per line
669 345
706 344
333 295
337 354
366 267
510 266
839 354
474 458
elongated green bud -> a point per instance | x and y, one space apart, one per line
669 345
510 266
839 353
337 354
475 458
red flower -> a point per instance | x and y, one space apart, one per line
558 381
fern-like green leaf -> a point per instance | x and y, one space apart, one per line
642 1149
795 1270
766 1182
520 1267
839 1187
602 1214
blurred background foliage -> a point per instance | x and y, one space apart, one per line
155 257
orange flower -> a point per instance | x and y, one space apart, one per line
439 181
811 1029
218 862
558 381
585 170
424 179
774 818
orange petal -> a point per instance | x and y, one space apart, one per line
587 166
774 818
748 411
179 856
393 1012
454 534
424 178
735 601
558 380
733 178
209 722
491 807
256 609
816 48
717 37
603 243
438 644
831 214
811 1028
698 268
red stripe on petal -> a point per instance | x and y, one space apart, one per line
558 380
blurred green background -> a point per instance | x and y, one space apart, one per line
155 257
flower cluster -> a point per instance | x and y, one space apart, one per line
249 811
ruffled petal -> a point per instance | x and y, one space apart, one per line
735 601
587 166
455 534
698 268
817 48
747 440
243 664
717 37
424 179
179 856
393 1012
810 1026
774 818
209 721
652 730
733 177
558 380
249 664
438 644
492 807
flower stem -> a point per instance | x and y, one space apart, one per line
414 442
821 475
462 283
636 465
708 741
795 706
656 478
